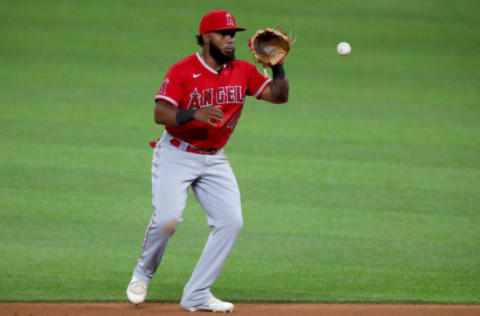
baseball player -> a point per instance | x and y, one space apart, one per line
199 102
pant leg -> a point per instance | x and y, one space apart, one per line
217 191
173 171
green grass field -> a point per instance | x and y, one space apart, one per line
365 187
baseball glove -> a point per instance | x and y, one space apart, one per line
269 46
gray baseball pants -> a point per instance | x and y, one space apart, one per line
173 171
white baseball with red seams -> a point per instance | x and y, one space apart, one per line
343 48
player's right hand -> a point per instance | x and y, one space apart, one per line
209 115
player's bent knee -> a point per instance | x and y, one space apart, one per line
166 225
236 223
170 226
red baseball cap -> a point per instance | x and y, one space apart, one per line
218 20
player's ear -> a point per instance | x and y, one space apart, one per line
206 38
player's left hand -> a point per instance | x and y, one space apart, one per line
269 46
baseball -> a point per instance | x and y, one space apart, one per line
343 48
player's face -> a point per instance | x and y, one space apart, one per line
222 45
225 40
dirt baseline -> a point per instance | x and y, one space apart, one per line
241 309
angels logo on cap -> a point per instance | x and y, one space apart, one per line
229 19
218 20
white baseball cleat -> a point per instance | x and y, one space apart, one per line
137 291
213 305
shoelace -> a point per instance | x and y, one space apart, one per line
139 288
213 301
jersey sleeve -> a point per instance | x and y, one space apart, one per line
257 82
171 88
